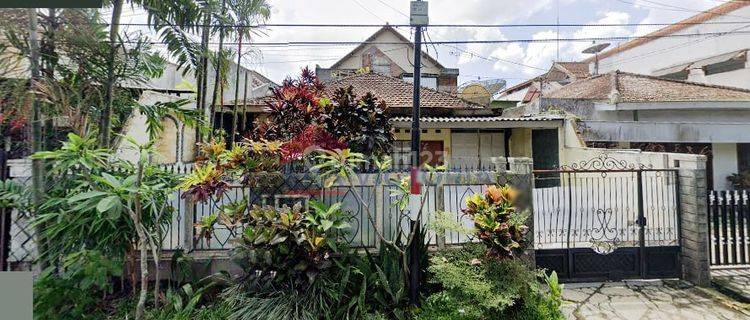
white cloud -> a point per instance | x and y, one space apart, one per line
573 49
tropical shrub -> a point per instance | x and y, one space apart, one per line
361 122
476 286
304 117
75 290
498 224
290 246
740 180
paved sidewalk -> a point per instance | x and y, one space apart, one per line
657 300
733 281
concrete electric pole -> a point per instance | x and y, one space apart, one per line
418 18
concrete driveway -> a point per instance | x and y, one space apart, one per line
658 300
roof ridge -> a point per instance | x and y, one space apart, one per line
372 37
405 82
703 16
708 85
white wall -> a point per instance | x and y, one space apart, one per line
724 164
669 51
402 54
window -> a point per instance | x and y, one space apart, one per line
427 82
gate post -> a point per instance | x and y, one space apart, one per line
693 209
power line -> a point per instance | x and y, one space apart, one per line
677 46
368 10
669 7
494 59
349 25
394 9
445 42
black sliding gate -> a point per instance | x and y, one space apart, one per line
606 219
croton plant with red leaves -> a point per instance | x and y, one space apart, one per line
13 125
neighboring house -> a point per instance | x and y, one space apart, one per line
627 110
719 58
560 74
388 52
177 143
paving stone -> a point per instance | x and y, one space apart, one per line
733 281
658 300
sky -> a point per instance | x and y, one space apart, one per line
527 59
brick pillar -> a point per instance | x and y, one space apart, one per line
694 236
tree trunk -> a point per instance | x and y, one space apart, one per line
233 134
143 239
219 60
204 75
244 103
140 309
104 118
37 165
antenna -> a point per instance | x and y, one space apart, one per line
558 32
595 49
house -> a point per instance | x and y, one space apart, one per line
718 57
559 74
456 132
628 110
390 53
177 142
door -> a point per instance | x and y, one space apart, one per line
545 152
431 152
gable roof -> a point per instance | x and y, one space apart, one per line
557 72
397 93
371 39
258 79
696 19
632 87
579 70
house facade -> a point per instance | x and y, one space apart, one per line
719 57
633 111
388 52
559 74
177 142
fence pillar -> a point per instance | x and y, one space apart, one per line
188 222
694 233
440 207
379 211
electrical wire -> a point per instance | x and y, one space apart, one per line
459 41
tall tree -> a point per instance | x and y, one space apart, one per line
37 165
106 114
248 12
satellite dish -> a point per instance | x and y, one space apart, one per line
596 48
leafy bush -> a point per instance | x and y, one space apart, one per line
500 227
76 290
740 180
475 286
289 245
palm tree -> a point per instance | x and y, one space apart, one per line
248 12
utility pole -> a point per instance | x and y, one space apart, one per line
418 18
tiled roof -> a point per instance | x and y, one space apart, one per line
579 70
633 87
398 93
704 16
